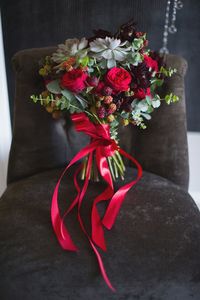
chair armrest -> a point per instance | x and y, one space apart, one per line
162 148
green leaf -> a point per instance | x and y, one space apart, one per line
124 115
155 103
34 98
89 88
157 81
148 100
136 59
137 43
69 95
150 110
84 61
54 87
171 98
146 116
142 106
82 101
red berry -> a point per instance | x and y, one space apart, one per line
112 108
101 112
108 99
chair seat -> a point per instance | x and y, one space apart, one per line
153 250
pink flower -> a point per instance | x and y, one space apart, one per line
141 93
118 79
74 80
151 63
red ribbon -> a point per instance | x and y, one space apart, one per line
103 146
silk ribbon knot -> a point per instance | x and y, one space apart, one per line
100 147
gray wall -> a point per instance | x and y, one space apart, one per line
38 23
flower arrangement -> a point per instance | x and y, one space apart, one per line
104 82
111 78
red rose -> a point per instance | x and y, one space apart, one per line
74 80
151 63
118 79
141 94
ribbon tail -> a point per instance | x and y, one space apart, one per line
75 201
118 198
61 232
99 259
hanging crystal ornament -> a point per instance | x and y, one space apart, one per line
177 4
172 28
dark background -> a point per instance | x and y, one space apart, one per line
38 23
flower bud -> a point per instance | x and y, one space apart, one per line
101 112
125 122
110 118
108 99
98 104
49 109
112 108
107 91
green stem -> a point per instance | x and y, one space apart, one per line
84 168
118 165
116 170
121 160
110 166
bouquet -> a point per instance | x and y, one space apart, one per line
106 81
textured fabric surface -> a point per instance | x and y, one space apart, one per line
161 148
153 249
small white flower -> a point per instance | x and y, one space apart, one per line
71 47
109 49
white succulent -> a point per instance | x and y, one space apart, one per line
108 51
71 47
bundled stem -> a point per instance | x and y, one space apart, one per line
115 163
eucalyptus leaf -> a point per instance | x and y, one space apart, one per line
146 116
142 106
148 100
69 95
81 100
155 103
54 87
136 59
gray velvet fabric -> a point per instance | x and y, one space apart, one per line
154 247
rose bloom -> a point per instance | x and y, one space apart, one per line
151 63
74 80
141 93
118 79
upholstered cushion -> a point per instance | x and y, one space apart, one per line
153 249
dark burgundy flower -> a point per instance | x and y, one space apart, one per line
93 81
100 33
140 76
107 91
127 31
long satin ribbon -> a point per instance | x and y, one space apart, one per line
102 145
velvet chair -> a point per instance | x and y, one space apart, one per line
154 247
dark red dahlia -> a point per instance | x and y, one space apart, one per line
140 76
127 32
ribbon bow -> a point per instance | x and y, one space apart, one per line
103 146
